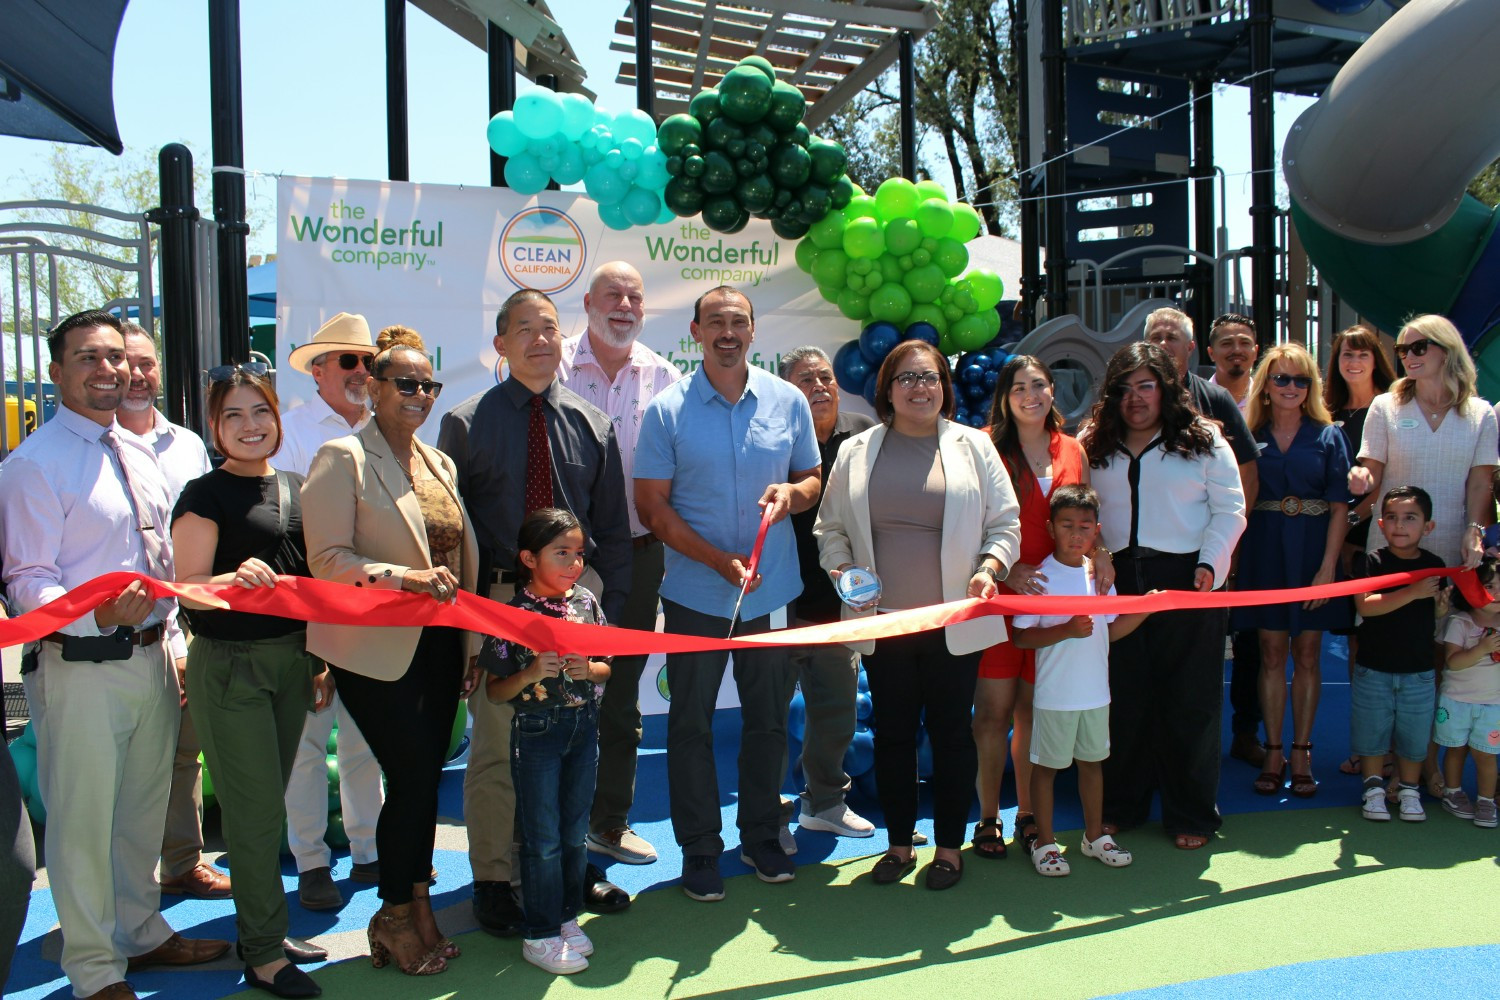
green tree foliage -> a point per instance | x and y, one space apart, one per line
1486 187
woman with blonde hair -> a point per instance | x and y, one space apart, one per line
1293 539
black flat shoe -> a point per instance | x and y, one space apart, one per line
289 981
298 951
602 895
943 874
892 868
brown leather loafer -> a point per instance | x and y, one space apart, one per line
178 950
203 882
114 991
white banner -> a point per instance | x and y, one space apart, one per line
441 259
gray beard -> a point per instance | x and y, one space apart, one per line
136 406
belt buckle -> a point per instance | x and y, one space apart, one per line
1291 506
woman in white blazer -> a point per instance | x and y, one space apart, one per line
926 503
380 510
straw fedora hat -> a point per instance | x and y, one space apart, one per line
343 332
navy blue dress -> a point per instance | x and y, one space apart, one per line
1279 550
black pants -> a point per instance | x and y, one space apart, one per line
17 863
1244 684
408 722
1166 692
914 680
765 681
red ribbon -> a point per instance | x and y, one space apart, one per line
306 599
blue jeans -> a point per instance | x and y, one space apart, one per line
553 757
1391 707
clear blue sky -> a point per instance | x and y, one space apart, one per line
314 95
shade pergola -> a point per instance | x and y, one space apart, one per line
831 49
541 49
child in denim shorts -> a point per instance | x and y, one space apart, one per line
1468 708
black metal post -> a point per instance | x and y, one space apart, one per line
1204 215
1263 178
1055 207
645 82
397 144
502 60
908 107
227 110
179 277
1031 270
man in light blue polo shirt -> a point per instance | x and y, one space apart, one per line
715 450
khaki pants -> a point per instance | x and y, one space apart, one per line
182 844
104 737
489 792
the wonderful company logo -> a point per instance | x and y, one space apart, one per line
542 248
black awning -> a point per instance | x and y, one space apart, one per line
57 64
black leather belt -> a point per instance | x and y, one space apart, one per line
139 637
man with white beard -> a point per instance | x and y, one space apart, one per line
609 366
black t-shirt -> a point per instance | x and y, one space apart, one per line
1215 403
818 601
246 510
1399 642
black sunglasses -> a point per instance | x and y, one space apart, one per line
408 386
223 373
1417 347
350 361
1281 380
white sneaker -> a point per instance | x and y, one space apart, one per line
575 939
1374 807
786 840
554 955
1411 805
839 820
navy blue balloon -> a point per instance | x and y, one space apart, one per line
983 360
977 394
877 340
860 757
850 367
923 331
991 379
869 390
972 374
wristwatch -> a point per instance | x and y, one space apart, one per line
992 572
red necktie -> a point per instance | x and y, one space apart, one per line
538 460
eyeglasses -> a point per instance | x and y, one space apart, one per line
1281 380
1417 347
930 379
349 361
223 373
408 386
1146 387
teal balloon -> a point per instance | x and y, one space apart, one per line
935 218
891 302
613 216
863 238
627 170
577 116
986 287
902 236
952 256
634 124
632 148
538 113
524 175
854 305
504 138
665 216
830 268
641 207
604 185
896 198
925 283
969 332
570 166
651 170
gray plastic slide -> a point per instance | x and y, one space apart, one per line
1385 155
1078 355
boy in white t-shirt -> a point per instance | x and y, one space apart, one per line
1070 721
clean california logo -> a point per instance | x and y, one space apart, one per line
542 248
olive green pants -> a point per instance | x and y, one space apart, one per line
248 701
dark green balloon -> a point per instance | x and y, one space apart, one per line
718 173
815 202
677 132
761 63
723 214
745 167
763 134
790 166
841 192
754 151
787 106
745 93
674 165
693 166
788 229
828 160
799 135
783 197
705 106
756 194
683 197
721 132
692 149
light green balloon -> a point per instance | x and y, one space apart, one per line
863 238
986 287
952 256
991 321
896 198
926 313
890 302
854 304
930 189
890 268
861 266
966 223
970 333
828 232
829 293
945 342
830 268
902 236
935 218
925 283
861 206
806 251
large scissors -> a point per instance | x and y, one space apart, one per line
760 541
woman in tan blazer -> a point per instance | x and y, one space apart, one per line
380 510
926 503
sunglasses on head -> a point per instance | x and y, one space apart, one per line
223 373
1417 347
408 386
1281 380
350 361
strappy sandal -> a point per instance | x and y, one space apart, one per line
1025 838
1269 782
1047 859
390 925
989 845
1304 785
